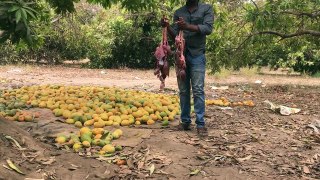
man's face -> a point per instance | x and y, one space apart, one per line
191 1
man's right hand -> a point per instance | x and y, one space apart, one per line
164 22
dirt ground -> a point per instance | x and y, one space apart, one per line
243 142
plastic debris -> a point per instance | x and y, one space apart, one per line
283 110
219 88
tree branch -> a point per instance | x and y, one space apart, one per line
285 36
311 15
255 4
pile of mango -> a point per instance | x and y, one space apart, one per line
97 106
96 137
92 106
225 102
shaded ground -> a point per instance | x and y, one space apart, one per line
243 142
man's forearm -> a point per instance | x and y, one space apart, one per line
193 28
189 27
171 33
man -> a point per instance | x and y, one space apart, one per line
196 20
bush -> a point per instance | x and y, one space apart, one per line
129 47
8 53
108 40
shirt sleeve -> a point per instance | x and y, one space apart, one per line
174 26
207 26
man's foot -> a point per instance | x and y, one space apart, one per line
202 131
184 127
162 85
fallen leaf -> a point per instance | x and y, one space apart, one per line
125 171
244 159
7 167
74 165
306 170
107 172
15 142
130 163
14 167
50 161
140 164
151 169
195 172
101 158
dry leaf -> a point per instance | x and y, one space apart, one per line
7 167
306 170
195 172
101 158
140 164
50 161
151 169
15 142
14 167
125 170
245 158
130 163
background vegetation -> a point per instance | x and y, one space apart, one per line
122 33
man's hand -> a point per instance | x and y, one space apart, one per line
185 26
182 24
164 22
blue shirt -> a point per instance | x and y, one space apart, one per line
203 17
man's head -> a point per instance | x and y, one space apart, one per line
192 1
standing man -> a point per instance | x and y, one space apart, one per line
196 21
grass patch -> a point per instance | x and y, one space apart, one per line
316 75
249 71
224 73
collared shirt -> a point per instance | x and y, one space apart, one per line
203 17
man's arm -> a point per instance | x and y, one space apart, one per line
171 33
173 29
207 26
185 26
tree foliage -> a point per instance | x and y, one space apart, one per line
14 19
267 32
16 15
275 33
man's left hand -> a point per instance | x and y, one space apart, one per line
182 24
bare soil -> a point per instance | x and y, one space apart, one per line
243 142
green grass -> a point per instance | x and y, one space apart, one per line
248 72
224 73
316 75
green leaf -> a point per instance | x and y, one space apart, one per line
24 17
8 2
14 8
30 13
30 9
24 14
18 16
195 172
